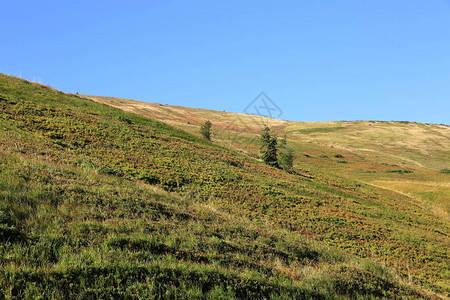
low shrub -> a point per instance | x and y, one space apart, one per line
399 171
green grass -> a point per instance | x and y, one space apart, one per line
96 202
318 130
78 233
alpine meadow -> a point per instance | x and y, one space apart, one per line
111 198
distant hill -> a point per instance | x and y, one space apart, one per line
97 202
372 150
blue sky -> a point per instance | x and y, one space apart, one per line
317 60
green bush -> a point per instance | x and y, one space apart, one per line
399 171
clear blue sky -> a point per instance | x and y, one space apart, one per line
318 60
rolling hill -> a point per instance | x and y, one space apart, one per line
129 202
374 150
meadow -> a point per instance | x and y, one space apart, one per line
100 202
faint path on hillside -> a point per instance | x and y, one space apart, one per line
420 201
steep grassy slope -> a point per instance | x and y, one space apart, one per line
98 202
68 231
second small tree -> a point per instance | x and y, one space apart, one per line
286 160
269 148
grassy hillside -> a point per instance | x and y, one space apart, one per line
99 202
371 152
408 143
372 149
401 160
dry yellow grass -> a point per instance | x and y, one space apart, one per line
431 196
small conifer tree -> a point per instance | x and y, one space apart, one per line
269 148
205 130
